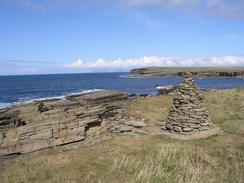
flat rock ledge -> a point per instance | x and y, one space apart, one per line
59 122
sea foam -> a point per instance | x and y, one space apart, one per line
28 100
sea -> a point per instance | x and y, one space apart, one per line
26 88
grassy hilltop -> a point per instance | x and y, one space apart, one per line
148 158
197 71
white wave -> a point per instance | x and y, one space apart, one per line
48 98
124 76
86 92
4 105
7 105
164 87
27 100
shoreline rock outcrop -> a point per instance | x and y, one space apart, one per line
188 112
50 123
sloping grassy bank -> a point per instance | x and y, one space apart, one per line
147 158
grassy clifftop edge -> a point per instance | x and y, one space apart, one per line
196 71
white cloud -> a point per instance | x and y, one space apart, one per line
148 61
78 63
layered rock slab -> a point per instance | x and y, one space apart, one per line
188 112
49 123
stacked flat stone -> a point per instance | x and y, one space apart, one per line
188 112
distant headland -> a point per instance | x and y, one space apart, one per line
195 71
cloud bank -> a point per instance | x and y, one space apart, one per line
148 61
12 67
233 9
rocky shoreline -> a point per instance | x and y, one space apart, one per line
80 118
57 122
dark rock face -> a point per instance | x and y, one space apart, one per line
188 112
10 119
43 124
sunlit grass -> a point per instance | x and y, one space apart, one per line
148 158
152 109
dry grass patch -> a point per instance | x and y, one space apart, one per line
179 163
134 159
226 108
152 109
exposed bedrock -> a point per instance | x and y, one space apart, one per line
43 124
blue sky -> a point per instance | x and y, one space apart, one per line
64 36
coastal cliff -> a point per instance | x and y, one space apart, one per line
195 71
57 122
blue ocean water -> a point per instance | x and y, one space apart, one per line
23 88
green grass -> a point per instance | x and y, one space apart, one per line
152 109
148 158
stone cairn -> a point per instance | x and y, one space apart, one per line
188 112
